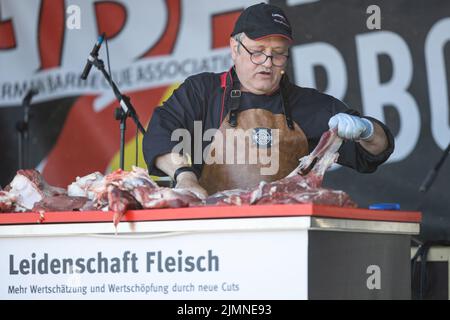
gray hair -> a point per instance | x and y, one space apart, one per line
238 37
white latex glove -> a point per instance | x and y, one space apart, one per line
351 127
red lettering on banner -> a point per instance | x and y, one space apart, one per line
111 18
51 33
222 26
167 41
7 36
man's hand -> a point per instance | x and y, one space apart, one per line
188 180
352 127
170 162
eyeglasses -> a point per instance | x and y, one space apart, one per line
259 57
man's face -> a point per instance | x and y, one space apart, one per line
264 78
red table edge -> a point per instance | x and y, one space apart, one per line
213 212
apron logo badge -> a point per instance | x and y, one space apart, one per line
262 137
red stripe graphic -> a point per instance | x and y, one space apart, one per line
166 44
51 33
111 17
7 36
222 26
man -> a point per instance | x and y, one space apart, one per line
256 110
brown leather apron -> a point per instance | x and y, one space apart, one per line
255 145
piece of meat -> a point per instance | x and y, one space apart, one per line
235 197
285 191
122 190
89 206
163 197
119 202
140 187
29 187
60 203
92 186
86 186
118 191
6 202
295 190
127 180
314 165
134 182
302 185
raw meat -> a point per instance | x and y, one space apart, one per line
119 202
60 203
314 165
6 202
303 185
86 186
121 190
29 187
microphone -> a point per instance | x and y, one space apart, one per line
90 59
26 102
27 99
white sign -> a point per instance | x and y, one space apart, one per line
220 265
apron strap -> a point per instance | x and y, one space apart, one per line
235 99
286 87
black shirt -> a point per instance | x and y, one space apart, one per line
201 98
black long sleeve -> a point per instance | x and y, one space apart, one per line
178 112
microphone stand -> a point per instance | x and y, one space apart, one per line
424 247
120 114
23 141
433 173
